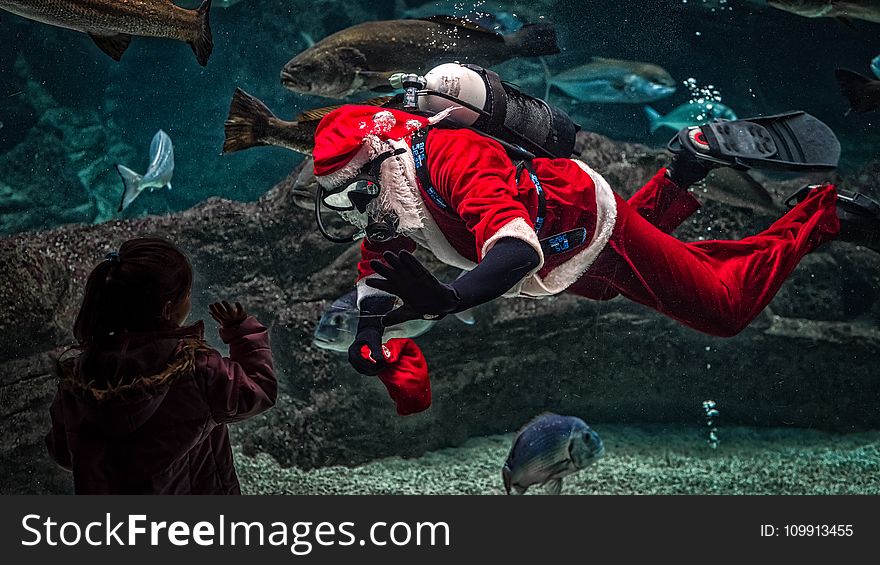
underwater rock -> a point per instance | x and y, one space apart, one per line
564 354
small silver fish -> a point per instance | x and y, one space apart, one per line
614 81
158 174
875 66
690 114
338 325
547 449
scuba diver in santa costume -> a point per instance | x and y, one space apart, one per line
539 227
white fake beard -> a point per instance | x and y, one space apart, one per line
400 190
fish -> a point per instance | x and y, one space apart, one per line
614 81
363 57
490 15
338 325
251 124
868 10
875 66
112 23
158 174
862 92
548 449
690 114
305 186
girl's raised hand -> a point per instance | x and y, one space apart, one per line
226 314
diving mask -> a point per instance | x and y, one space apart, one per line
352 202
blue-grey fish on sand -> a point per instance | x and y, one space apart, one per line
111 23
614 81
547 449
338 325
690 114
158 175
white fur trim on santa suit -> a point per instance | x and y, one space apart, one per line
431 237
567 273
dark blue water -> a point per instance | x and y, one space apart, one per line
762 60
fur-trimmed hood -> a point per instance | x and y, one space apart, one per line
125 382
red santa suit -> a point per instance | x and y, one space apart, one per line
717 287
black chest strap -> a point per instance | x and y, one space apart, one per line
420 157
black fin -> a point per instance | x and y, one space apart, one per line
318 113
247 122
464 24
204 45
113 45
506 477
534 40
852 85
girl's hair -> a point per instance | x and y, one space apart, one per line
127 291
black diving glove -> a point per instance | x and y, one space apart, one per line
369 333
686 170
424 297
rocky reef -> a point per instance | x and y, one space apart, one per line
807 362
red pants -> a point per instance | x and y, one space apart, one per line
717 287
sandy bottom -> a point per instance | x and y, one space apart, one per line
638 460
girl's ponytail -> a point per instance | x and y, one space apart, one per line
91 320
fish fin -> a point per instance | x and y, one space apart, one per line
534 40
654 118
506 477
113 45
464 24
466 317
308 39
247 123
852 85
168 186
554 487
376 80
131 186
318 113
204 43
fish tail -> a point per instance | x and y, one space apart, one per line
534 40
654 118
203 45
131 182
248 122
852 85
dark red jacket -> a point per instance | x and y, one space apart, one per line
162 428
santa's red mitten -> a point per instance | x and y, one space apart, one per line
406 376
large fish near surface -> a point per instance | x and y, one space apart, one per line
252 124
548 449
863 93
338 325
158 175
868 10
690 114
364 56
614 81
112 23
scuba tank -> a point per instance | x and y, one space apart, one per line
491 107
